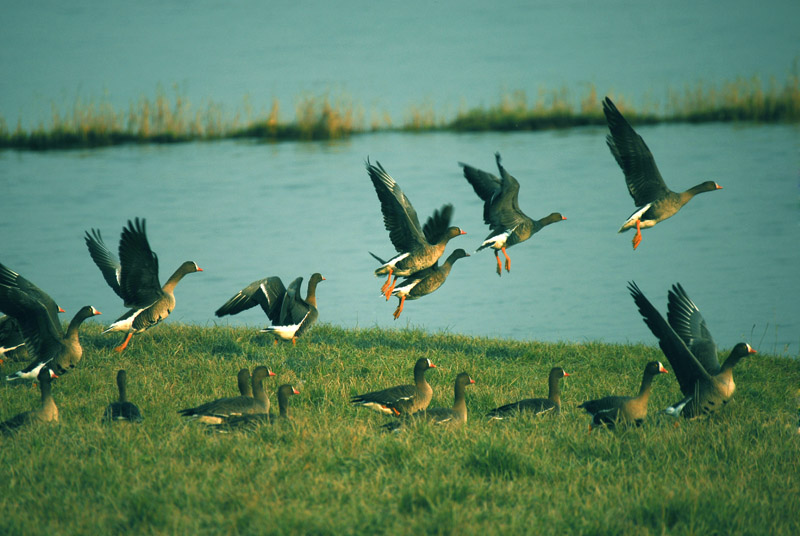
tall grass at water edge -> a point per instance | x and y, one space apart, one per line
171 118
332 471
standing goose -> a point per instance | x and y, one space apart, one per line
456 415
425 281
46 413
401 399
535 406
216 411
418 247
44 338
135 279
611 410
290 314
122 410
501 212
253 420
654 201
688 345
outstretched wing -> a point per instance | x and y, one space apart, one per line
11 278
139 274
268 293
644 181
399 216
685 318
437 225
41 335
105 260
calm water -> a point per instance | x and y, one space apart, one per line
244 210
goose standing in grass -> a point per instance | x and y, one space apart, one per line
401 399
134 278
501 212
290 314
36 314
418 247
254 420
457 415
47 412
425 281
217 411
122 409
535 406
654 201
611 410
688 345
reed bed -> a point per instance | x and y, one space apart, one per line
331 470
169 117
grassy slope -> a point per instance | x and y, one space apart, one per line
333 472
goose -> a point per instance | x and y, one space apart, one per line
401 399
42 332
654 201
134 278
418 247
216 411
535 406
122 410
611 410
290 313
47 412
253 420
688 345
425 281
457 415
509 225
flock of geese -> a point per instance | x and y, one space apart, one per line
32 325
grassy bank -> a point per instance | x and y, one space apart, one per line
169 117
333 472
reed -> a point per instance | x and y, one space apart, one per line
332 471
170 117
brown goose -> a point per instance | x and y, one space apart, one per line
654 201
535 406
122 409
501 211
611 410
46 413
245 383
688 345
425 281
216 411
401 399
46 341
290 313
457 415
12 343
135 279
254 420
418 247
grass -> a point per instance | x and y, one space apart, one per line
331 471
171 118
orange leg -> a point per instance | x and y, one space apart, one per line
399 308
294 341
389 290
508 260
275 342
124 344
388 282
638 236
499 264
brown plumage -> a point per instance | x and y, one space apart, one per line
47 412
688 345
501 211
291 315
425 281
122 409
457 415
252 421
401 399
418 248
216 411
654 201
536 406
611 410
134 278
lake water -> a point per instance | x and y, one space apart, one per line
245 210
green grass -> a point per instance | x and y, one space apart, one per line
332 471
171 118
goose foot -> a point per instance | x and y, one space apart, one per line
124 344
399 308
637 238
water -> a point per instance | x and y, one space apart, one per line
246 210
